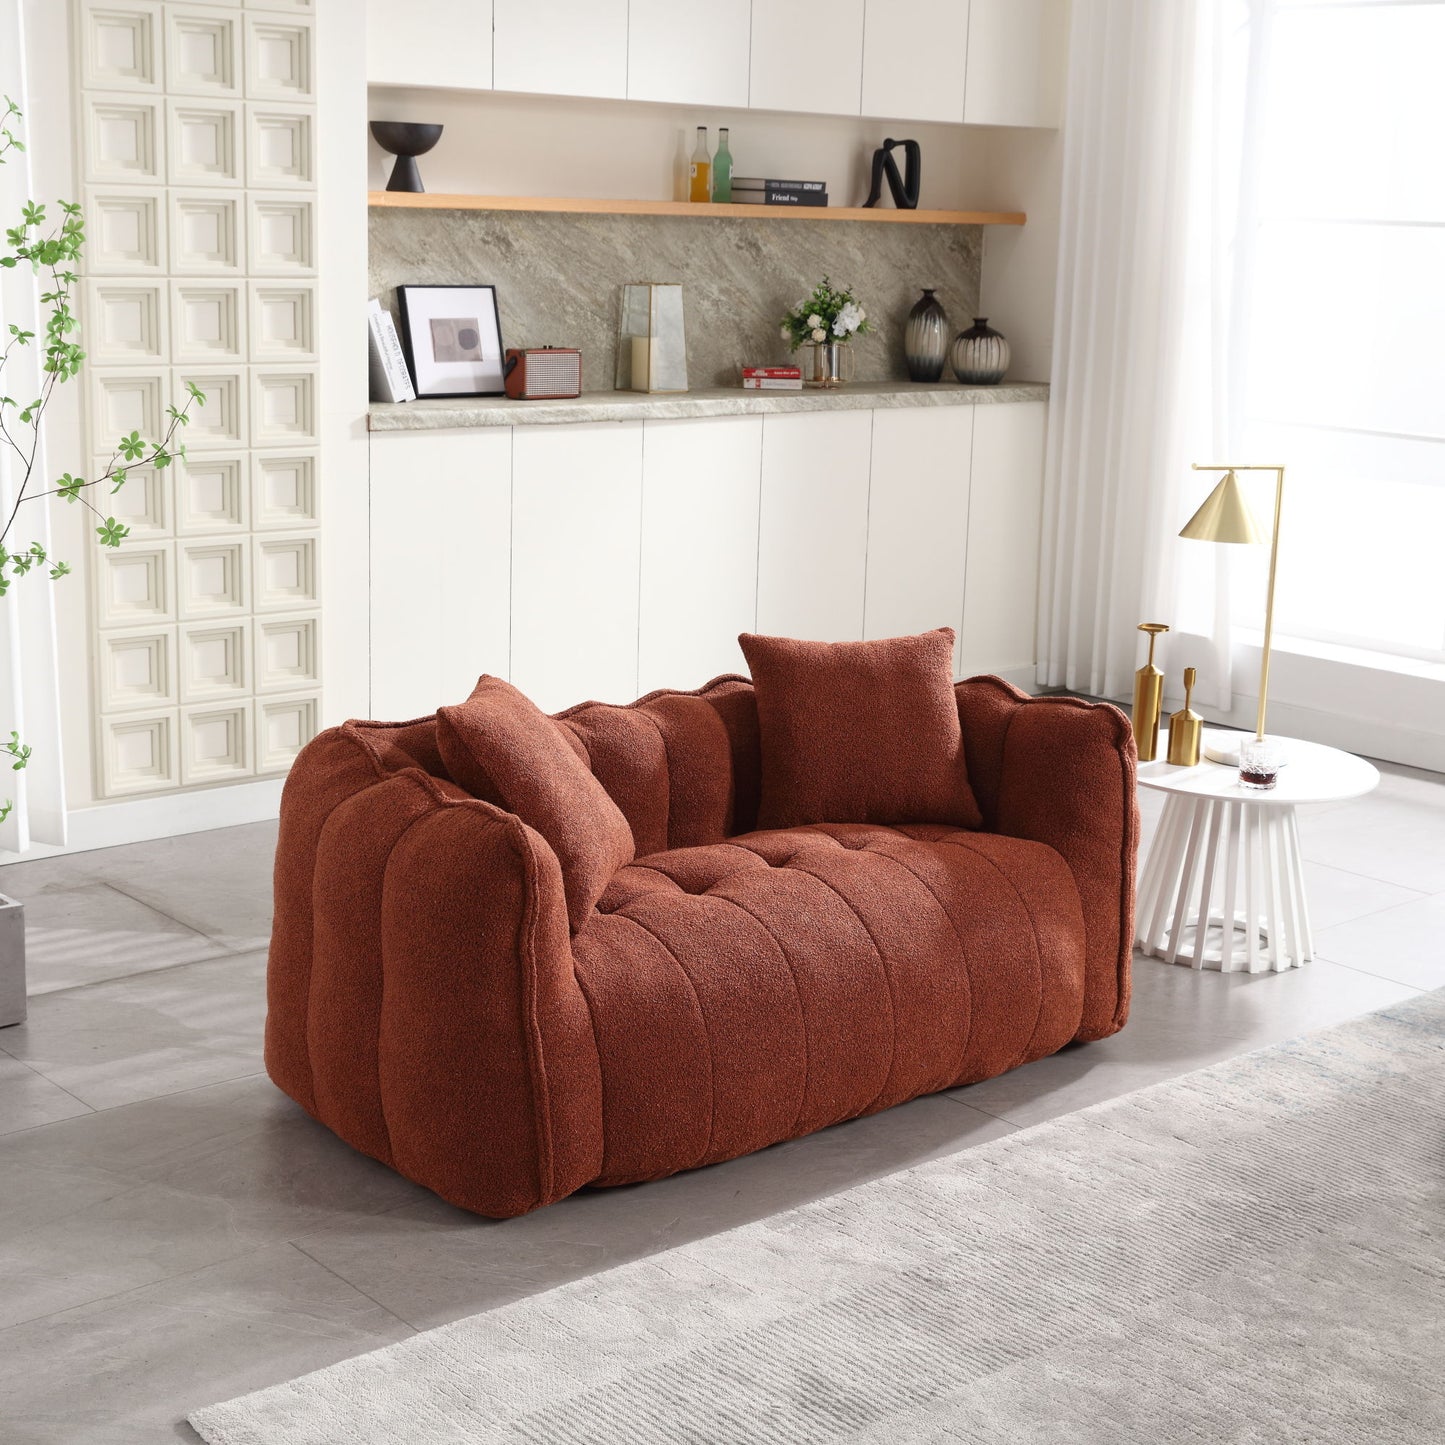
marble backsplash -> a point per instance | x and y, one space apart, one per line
559 278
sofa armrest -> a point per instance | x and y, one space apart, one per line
422 997
1060 771
486 1054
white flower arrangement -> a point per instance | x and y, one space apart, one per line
827 314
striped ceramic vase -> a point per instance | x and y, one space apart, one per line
980 355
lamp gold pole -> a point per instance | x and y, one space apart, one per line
1225 517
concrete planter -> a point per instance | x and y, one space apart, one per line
12 962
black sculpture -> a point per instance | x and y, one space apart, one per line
905 188
405 140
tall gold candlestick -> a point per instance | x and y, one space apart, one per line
1148 697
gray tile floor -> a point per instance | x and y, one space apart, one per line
174 1231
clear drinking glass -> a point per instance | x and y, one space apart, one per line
1259 760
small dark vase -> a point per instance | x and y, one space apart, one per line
980 355
406 140
925 338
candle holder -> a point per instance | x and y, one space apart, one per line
651 342
406 140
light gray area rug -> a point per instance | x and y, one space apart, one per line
1248 1254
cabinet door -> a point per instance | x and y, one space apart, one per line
813 525
699 589
689 52
440 565
565 47
1000 603
576 514
1016 53
807 55
429 42
918 520
914 54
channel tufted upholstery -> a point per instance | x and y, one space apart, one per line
732 987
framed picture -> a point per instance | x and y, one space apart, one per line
452 336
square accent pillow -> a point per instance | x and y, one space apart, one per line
500 746
859 732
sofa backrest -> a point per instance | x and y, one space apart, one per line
682 766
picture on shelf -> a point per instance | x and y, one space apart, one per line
453 339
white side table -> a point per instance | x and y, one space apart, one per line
1223 886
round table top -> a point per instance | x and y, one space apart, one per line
1313 774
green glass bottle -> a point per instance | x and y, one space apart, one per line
722 169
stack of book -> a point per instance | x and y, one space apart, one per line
772 378
750 191
390 380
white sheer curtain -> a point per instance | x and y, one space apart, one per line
29 665
1154 176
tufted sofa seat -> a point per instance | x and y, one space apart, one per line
733 987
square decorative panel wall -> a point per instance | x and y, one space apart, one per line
281 144
127 323
120 46
197 143
207 143
288 653
221 422
214 579
281 232
138 668
278 60
123 402
212 495
215 660
283 407
283 489
208 322
134 585
138 753
216 742
143 503
205 234
125 233
284 725
201 52
285 571
283 322
123 141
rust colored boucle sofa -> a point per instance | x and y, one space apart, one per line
733 988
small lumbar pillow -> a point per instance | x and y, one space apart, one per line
500 746
859 732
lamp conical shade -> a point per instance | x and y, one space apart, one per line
1224 517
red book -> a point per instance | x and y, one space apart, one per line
784 373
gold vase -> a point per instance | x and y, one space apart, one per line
1186 728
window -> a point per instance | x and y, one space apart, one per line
1341 343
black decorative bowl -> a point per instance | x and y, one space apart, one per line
405 140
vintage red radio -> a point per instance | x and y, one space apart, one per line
543 373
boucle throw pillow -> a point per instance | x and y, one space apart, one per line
859 732
500 746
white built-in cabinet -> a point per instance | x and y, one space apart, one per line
914 56
986 62
609 559
698 586
445 44
688 52
807 55
565 47
1016 55
813 525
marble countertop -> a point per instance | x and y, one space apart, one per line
712 401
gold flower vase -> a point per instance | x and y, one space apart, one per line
832 363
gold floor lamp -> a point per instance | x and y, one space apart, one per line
1226 517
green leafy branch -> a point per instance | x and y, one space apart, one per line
53 249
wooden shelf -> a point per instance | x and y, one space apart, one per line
427 201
